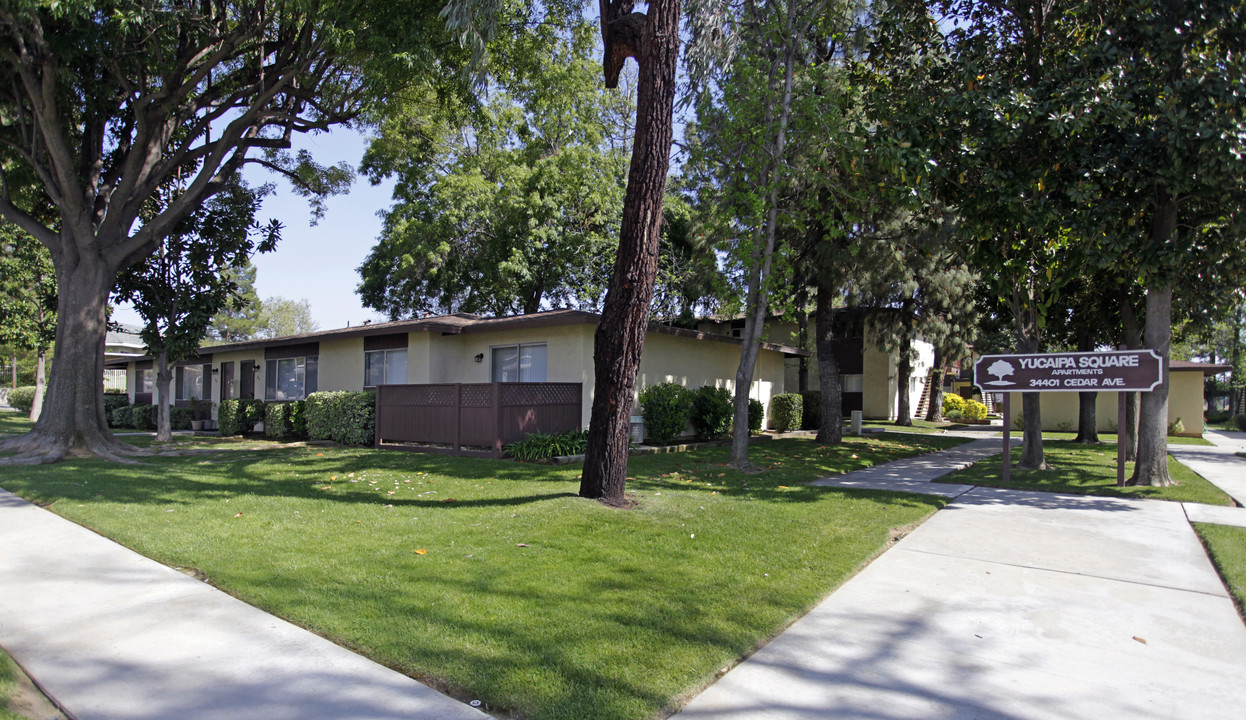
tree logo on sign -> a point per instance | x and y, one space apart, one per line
1000 369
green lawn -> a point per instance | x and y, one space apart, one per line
918 426
13 422
1110 438
8 687
1087 470
492 579
1227 547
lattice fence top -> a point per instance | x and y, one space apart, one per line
540 394
477 396
417 395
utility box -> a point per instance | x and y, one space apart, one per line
638 429
856 422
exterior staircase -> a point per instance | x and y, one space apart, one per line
923 405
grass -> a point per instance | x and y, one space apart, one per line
1227 547
13 422
8 687
918 426
492 579
1109 438
1087 470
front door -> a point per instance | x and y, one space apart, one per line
246 380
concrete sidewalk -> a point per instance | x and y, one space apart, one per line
1009 605
1219 464
111 635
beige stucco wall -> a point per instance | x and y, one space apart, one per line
1185 401
340 365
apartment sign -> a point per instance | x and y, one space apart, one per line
1123 370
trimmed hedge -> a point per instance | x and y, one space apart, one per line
22 398
811 410
712 410
112 401
974 410
1239 421
786 411
285 420
237 417
756 416
953 403
121 418
180 417
347 418
143 417
666 408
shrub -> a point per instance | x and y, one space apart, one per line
143 417
22 398
1018 422
1176 427
756 415
121 418
666 408
1065 426
953 415
953 402
1217 416
180 417
347 418
540 446
227 420
285 420
1239 421
712 410
811 410
236 416
785 411
974 410
112 401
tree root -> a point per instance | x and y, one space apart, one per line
43 448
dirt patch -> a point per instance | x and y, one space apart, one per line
28 702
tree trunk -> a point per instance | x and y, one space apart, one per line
802 342
14 372
1028 341
1133 341
1235 404
760 274
625 314
36 408
73 407
1087 430
934 413
164 381
1151 467
832 430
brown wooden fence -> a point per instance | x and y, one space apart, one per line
472 419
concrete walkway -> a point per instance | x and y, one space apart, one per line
111 635
1008 605
1219 463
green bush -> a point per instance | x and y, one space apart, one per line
756 415
541 446
143 417
112 401
22 398
786 411
1176 427
285 420
236 417
712 410
974 410
666 408
121 417
811 410
1215 417
227 420
1239 421
953 414
953 402
347 418
180 417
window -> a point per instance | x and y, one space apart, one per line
384 367
145 381
229 384
519 363
191 383
289 378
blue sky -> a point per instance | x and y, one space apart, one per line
317 262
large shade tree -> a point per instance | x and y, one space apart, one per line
27 302
108 102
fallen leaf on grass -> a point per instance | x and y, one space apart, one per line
522 545
421 551
448 500
238 515
1141 640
